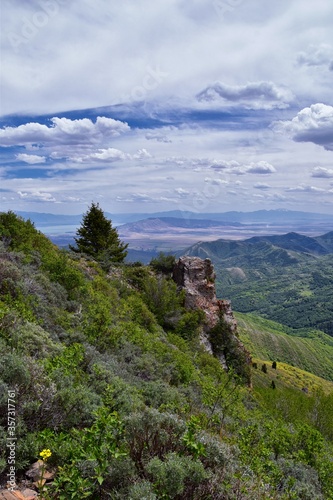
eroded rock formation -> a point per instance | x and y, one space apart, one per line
197 277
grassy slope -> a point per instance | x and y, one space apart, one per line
271 341
288 376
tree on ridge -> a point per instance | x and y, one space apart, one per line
97 238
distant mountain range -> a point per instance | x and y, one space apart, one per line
259 216
284 249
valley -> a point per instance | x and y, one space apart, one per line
286 278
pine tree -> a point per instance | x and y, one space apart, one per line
97 237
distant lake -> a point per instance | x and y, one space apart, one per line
63 229
67 228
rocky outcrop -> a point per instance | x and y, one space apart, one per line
197 277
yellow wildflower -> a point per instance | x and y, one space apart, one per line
45 454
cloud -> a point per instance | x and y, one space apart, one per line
110 155
322 172
262 167
223 164
253 95
31 159
216 182
312 124
261 186
183 193
321 55
141 154
63 131
234 167
37 196
303 188
155 136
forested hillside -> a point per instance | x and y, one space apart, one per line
286 278
115 393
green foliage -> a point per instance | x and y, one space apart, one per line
68 362
64 271
176 476
162 298
97 238
222 397
163 263
20 235
87 456
224 343
187 326
190 438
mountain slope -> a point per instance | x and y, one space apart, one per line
296 242
278 282
252 253
309 350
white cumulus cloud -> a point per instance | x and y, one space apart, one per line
262 167
63 131
322 172
37 196
312 124
31 159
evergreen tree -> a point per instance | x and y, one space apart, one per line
264 368
97 237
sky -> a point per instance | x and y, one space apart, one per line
141 106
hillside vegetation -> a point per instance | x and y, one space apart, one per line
113 389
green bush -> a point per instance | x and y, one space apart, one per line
163 263
176 475
13 370
140 490
151 433
225 343
188 324
162 298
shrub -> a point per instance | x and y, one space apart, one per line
142 490
160 294
225 343
65 272
163 263
160 395
33 340
13 370
187 326
21 235
176 475
150 433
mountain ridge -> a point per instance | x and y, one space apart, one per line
223 249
